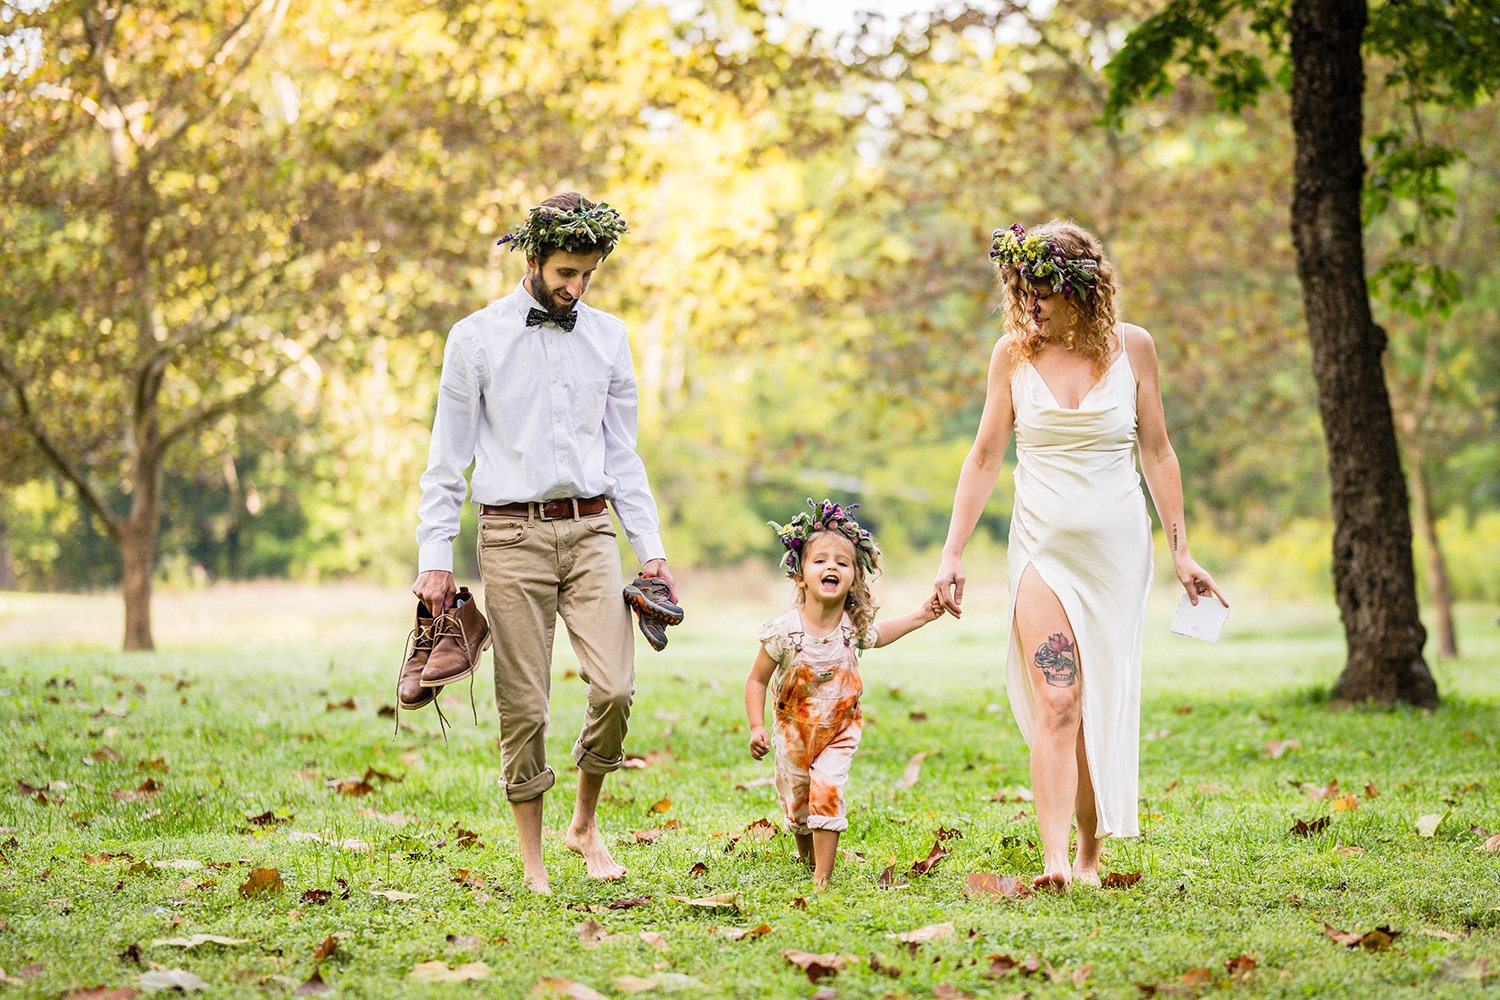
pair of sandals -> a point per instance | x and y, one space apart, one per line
654 608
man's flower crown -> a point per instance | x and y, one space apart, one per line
825 516
1039 260
549 228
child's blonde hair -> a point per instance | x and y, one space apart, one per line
859 602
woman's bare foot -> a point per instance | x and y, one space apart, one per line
596 857
1051 882
1086 876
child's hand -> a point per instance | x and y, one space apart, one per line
932 610
760 742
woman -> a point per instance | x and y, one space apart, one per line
1080 390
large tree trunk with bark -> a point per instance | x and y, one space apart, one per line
1437 566
137 540
1372 552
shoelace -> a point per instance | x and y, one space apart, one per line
413 638
455 630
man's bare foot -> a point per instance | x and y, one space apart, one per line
1086 876
596 857
1051 882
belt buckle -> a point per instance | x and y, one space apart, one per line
572 503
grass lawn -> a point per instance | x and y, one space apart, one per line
171 762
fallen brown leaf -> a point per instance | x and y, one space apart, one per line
157 764
1440 934
887 879
981 884
1018 794
1376 940
937 854
1277 748
315 986
913 772
661 806
1328 791
945 991
437 971
1306 829
628 903
318 896
723 900
197 940
879 963
1120 880
761 829
915 939
1492 845
1344 803
261 882
1370 790
817 966
655 940
741 933
326 949
347 705
393 895
554 987
647 836
698 869
798 903
591 932
1239 965
943 833
171 979
269 818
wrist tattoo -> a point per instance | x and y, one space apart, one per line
1174 537
1058 661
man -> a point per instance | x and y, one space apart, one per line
538 390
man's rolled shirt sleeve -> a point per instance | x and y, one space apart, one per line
455 431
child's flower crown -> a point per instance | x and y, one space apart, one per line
826 516
550 228
1039 260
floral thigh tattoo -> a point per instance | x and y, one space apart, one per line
1058 661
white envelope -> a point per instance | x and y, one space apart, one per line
1204 621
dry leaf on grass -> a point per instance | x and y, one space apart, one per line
1306 829
326 949
817 966
698 870
1492 845
1120 880
1344 803
315 986
1371 791
946 991
721 901
1442 935
655 940
887 880
740 933
437 971
1277 748
1032 965
1427 825
1020 793
628 903
171 979
913 772
269 818
555 987
761 829
198 939
1376 940
591 932
667 982
923 866
261 882
982 884
647 836
393 895
915 939
318 896
661 806
1328 791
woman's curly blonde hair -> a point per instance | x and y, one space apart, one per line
1094 335
859 602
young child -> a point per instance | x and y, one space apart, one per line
809 656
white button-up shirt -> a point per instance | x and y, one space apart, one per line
543 414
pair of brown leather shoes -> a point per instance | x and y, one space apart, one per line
442 650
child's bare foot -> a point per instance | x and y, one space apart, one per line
535 879
820 884
1051 882
596 857
1087 876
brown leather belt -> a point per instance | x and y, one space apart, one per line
548 510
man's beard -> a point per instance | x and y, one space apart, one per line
547 297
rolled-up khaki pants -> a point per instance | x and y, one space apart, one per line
532 571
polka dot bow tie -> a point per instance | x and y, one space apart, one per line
536 317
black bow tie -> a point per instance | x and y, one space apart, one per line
536 317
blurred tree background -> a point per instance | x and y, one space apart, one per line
234 235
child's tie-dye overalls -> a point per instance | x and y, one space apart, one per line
815 690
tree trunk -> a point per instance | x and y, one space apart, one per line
137 540
1437 566
1373 572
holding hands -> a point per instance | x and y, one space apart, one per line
948 588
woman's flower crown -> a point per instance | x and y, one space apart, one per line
825 516
1039 260
550 228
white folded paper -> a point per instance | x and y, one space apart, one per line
1205 620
